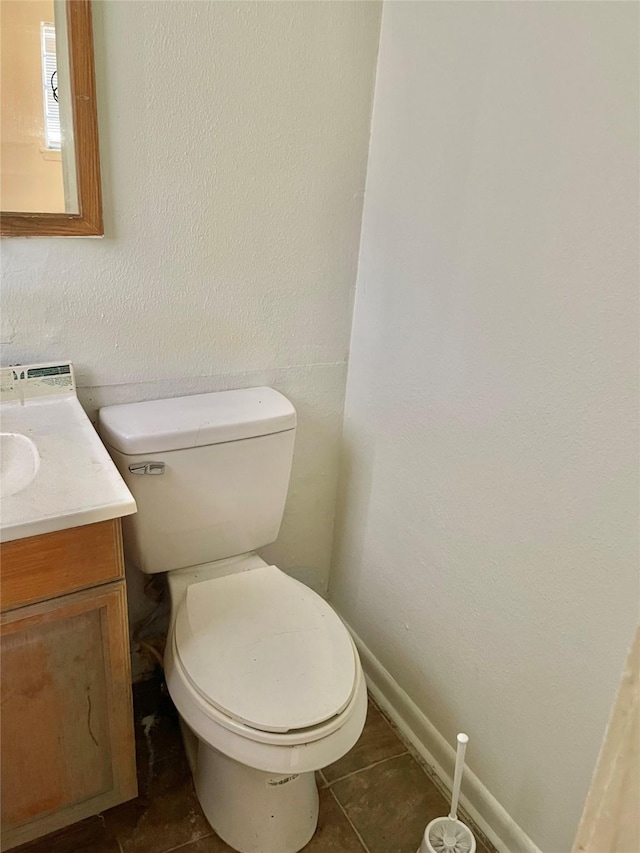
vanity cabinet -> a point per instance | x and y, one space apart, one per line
66 726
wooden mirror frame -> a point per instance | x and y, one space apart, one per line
88 221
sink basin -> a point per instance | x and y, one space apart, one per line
19 462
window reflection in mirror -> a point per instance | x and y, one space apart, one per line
36 128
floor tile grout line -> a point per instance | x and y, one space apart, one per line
187 843
350 822
362 769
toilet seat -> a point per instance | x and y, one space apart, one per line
291 752
265 650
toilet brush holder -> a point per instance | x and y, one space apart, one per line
448 834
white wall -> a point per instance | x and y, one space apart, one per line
234 141
488 537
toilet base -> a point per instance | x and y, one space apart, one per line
252 811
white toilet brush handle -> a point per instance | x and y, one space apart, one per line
463 740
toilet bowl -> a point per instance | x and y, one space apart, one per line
265 676
254 761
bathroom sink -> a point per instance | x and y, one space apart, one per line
19 462
55 473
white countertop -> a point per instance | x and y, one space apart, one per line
76 482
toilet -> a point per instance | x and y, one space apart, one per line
265 677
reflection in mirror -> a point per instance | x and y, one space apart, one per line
50 155
37 151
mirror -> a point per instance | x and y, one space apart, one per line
50 166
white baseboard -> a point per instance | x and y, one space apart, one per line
491 818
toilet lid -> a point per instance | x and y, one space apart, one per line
266 650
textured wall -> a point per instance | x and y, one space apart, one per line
234 141
489 539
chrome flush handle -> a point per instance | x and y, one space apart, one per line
147 468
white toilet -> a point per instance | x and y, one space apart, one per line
265 677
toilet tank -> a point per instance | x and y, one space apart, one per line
209 473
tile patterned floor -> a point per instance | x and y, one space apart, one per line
376 799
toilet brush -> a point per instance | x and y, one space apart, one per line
448 834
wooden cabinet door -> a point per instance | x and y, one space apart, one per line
66 726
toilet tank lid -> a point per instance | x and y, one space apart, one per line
178 423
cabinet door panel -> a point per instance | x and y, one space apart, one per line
66 726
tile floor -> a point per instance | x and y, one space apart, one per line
377 799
